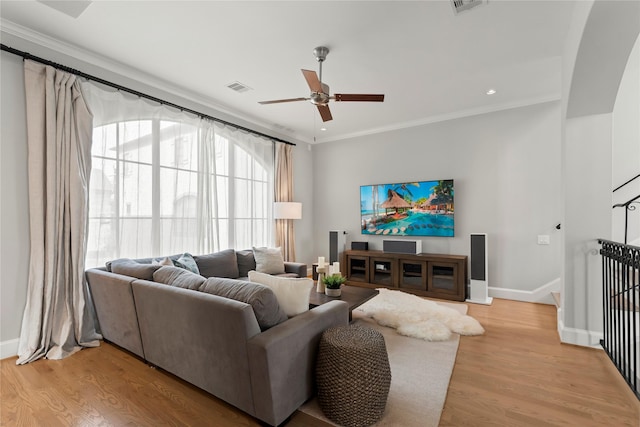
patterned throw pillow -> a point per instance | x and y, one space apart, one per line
187 262
269 260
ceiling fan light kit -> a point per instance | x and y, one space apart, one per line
320 94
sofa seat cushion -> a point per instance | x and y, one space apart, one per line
292 293
262 299
129 267
179 277
219 264
269 260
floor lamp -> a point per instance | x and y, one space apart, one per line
284 212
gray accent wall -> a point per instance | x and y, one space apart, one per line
14 203
506 169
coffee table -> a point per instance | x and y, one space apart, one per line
355 296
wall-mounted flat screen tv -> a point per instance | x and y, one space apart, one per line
423 208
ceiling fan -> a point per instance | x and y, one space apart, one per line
320 91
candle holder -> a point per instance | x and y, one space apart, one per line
320 286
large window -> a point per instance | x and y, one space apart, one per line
161 187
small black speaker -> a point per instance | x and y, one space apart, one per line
478 257
360 246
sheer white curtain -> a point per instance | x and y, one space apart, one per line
56 322
251 188
166 182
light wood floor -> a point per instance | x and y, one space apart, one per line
517 374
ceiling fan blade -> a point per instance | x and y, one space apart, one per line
278 101
312 80
358 97
325 113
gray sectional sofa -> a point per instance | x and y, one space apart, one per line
188 327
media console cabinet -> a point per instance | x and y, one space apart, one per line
429 275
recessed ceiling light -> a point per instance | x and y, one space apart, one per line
491 91
323 129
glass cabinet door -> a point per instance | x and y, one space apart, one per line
443 277
358 268
382 271
413 275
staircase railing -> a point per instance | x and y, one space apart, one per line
621 309
628 206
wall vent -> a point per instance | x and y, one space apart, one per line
462 5
238 87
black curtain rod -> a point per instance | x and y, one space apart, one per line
26 55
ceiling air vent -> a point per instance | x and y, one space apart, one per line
238 87
462 5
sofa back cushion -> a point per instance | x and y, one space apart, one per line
246 262
176 276
129 267
219 264
292 294
261 298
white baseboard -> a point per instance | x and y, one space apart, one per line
540 295
580 337
9 348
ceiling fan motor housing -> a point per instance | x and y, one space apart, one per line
320 98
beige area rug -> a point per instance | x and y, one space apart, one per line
420 374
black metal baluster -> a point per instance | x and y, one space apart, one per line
620 285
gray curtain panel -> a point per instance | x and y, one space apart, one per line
285 236
56 321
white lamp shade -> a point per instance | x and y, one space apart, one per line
287 210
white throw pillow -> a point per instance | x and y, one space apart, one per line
269 260
292 294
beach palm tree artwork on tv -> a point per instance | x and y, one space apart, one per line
422 208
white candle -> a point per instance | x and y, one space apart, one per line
321 261
336 267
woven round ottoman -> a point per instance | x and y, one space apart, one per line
353 375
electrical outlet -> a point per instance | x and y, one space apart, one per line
543 239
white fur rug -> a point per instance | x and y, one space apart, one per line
415 317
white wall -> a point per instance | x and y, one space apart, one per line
14 205
303 192
596 55
626 148
506 167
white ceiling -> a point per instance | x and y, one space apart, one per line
429 63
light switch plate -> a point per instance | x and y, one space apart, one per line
543 239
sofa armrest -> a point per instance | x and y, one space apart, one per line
298 268
115 309
282 360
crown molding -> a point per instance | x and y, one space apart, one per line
132 73
447 116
